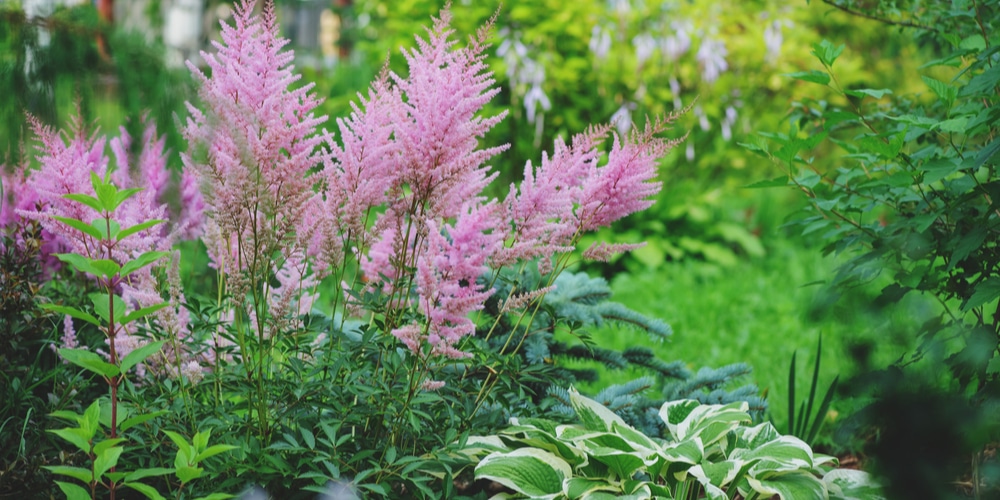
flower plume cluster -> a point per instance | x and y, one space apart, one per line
399 190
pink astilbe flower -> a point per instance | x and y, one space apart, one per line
626 183
447 276
438 126
257 139
604 251
541 210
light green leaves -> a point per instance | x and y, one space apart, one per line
714 449
90 361
529 471
826 52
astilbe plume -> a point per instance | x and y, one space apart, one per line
66 164
412 145
253 147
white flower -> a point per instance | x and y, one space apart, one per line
712 56
677 45
600 42
622 119
536 96
644 46
773 39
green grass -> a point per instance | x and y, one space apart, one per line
762 311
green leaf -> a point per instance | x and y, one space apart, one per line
125 194
107 228
73 491
528 471
826 52
945 92
150 472
986 291
139 313
103 309
72 312
90 361
125 233
81 226
184 451
986 153
106 459
76 436
813 76
142 261
79 473
147 490
954 125
131 422
187 474
584 487
106 267
139 355
781 181
90 201
79 262
877 94
211 451
107 194
220 496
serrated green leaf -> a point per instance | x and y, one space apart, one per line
81 226
106 444
184 449
142 261
139 355
954 125
945 92
125 233
86 359
73 491
108 229
79 473
309 438
986 291
528 471
224 496
71 312
812 76
147 490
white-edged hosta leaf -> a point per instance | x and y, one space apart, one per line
529 471
675 412
581 487
709 422
718 474
593 415
790 486
847 484
712 489
756 436
623 464
789 452
634 436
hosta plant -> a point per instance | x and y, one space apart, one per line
711 451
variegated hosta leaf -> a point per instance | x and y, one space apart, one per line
846 484
713 477
752 437
783 453
530 437
709 422
634 436
623 464
593 415
582 487
798 485
529 471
